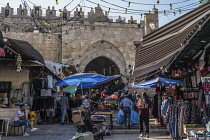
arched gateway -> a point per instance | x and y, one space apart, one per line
102 65
103 55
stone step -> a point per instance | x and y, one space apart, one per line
136 131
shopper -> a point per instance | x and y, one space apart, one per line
121 98
78 101
86 102
64 105
134 97
20 119
94 100
71 105
155 107
86 94
144 105
103 95
165 108
126 105
130 96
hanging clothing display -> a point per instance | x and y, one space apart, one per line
182 113
50 81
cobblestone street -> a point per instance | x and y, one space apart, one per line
47 132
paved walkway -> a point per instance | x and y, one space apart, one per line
66 132
48 132
135 137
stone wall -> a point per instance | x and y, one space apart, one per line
83 38
10 113
92 40
8 74
48 45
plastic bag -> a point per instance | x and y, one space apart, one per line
134 118
120 117
121 112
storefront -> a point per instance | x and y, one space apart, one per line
180 51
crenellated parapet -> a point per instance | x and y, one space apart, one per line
7 11
151 20
54 17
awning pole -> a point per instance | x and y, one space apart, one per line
81 88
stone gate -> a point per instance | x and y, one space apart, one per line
79 43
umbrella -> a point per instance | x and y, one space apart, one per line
86 80
80 78
71 89
152 83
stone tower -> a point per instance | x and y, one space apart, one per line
151 20
7 11
22 12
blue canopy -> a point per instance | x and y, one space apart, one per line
80 78
152 83
85 80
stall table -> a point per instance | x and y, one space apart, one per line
106 113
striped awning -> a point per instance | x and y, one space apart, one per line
160 47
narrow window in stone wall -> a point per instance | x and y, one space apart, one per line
22 12
6 13
64 16
6 29
50 14
36 10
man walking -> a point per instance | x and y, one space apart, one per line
126 105
64 106
144 105
165 108
20 119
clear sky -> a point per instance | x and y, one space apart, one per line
118 7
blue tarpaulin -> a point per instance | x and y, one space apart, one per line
86 80
152 83
83 78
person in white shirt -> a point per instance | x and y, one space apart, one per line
20 119
86 102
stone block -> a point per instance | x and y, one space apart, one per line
6 113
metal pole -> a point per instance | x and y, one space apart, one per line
81 88
89 93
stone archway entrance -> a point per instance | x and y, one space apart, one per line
102 65
108 52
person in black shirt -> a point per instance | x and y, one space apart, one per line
130 96
78 101
94 100
71 105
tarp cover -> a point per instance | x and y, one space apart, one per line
152 83
25 49
86 80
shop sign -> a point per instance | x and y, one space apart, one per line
2 52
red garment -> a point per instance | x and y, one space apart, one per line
157 89
206 86
103 94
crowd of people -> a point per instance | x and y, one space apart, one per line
127 100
